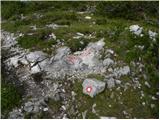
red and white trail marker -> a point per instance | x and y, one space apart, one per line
89 89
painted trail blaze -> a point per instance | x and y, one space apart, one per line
89 89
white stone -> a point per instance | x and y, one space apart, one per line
93 108
36 56
147 84
108 62
84 114
88 17
35 69
92 87
28 107
154 98
152 35
52 36
45 109
152 105
110 83
64 108
143 103
122 71
110 51
136 29
14 61
80 34
34 27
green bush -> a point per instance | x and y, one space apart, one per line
128 10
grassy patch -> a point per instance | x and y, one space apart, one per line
54 105
114 106
96 76
39 41
10 97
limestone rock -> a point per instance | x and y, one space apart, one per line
36 56
108 62
136 29
92 87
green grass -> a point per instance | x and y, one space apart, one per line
54 105
96 76
10 97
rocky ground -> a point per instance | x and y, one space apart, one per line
63 80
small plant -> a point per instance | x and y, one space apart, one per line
77 44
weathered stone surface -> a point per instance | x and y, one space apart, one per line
92 87
110 83
122 71
28 107
108 62
15 114
35 69
61 52
36 56
136 29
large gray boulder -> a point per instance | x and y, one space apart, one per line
92 87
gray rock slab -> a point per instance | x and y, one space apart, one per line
92 87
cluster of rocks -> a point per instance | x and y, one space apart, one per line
39 66
138 31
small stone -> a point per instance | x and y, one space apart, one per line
52 36
28 107
152 35
152 105
153 98
110 83
136 29
88 17
93 108
73 93
36 109
15 114
117 82
108 62
64 108
147 84
84 114
143 103
92 87
110 70
45 109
